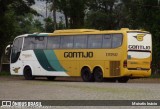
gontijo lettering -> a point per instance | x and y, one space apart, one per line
78 54
138 47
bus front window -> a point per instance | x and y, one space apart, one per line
16 49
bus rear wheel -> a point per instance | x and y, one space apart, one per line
28 73
98 75
86 75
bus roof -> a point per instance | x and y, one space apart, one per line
91 31
34 34
140 30
125 30
75 31
81 31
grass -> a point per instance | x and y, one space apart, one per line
155 76
4 73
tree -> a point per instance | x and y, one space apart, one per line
64 7
103 14
61 25
28 24
9 9
52 8
145 14
74 12
49 25
77 13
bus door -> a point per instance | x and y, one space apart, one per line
15 60
139 50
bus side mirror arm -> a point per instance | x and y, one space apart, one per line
8 49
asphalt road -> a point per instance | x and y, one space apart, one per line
17 88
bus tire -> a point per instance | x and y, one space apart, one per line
28 73
98 74
86 75
123 79
51 78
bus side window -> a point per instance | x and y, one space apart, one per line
80 41
40 42
53 42
16 49
107 41
66 41
29 43
117 40
94 41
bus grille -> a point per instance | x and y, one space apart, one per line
114 68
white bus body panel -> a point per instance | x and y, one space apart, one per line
28 58
139 45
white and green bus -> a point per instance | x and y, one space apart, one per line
87 53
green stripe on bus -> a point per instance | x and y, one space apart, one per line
52 59
41 57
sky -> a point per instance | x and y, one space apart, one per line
40 7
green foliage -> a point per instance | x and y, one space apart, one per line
49 25
27 24
103 14
77 8
133 14
74 12
155 75
3 73
61 25
145 14
99 22
16 18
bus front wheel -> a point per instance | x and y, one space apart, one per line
98 75
86 75
28 73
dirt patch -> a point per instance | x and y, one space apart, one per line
145 80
